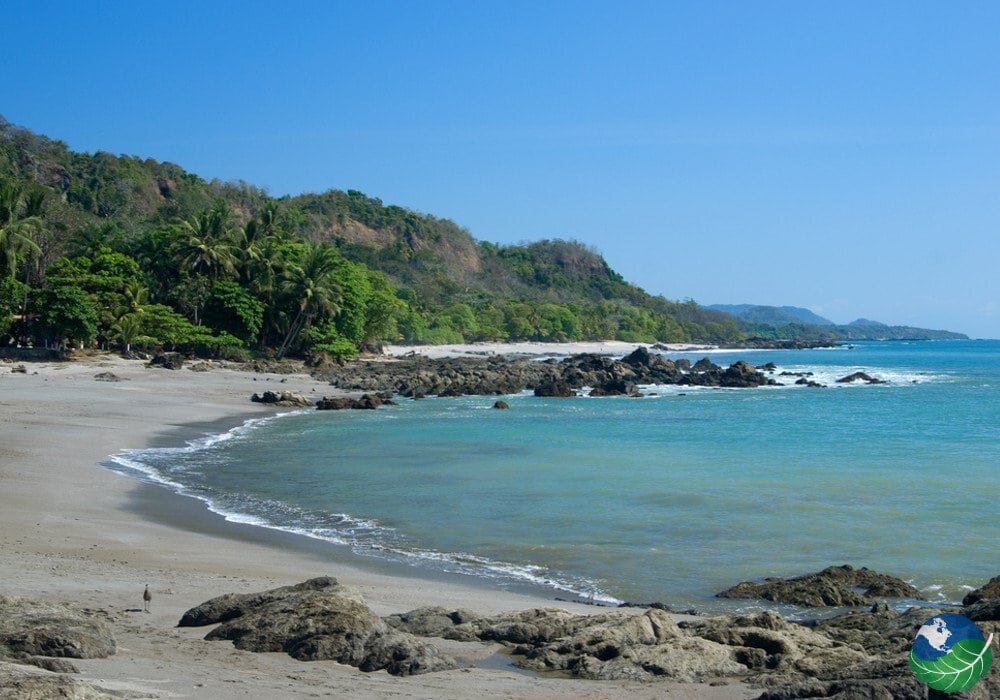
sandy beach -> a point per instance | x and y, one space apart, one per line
76 532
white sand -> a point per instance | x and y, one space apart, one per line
75 532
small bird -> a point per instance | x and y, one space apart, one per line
146 597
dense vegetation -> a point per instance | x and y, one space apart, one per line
138 253
118 249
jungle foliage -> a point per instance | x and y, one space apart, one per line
121 249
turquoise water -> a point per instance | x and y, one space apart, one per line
671 497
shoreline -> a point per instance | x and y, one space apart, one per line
77 532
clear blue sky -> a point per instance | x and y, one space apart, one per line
843 156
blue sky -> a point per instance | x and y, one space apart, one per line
841 156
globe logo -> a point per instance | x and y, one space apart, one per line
950 654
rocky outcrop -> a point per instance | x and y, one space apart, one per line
860 377
989 590
985 610
501 405
107 377
281 398
17 684
46 634
615 387
555 390
859 655
432 622
167 360
366 402
478 376
317 619
831 587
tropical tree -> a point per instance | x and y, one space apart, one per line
67 312
128 330
20 220
206 246
312 284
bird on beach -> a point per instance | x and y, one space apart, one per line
146 597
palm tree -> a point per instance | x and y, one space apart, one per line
127 329
206 247
313 284
20 219
136 297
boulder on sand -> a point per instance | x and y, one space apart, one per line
33 632
316 619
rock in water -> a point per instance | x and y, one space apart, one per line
860 377
316 619
831 587
989 590
557 390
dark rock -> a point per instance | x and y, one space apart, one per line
317 619
281 398
501 405
167 360
990 589
639 357
860 377
19 369
705 365
768 367
615 387
831 587
654 606
36 628
741 374
107 377
555 391
985 610
497 375
366 402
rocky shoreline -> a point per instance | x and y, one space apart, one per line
455 376
858 654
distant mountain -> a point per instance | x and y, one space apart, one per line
773 322
773 315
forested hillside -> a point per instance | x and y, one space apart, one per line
126 250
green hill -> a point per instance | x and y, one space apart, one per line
136 251
799 323
773 315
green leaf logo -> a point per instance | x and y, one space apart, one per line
960 669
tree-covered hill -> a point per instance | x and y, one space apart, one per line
800 323
130 250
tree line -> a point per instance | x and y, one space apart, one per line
117 250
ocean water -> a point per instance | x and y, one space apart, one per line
670 498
